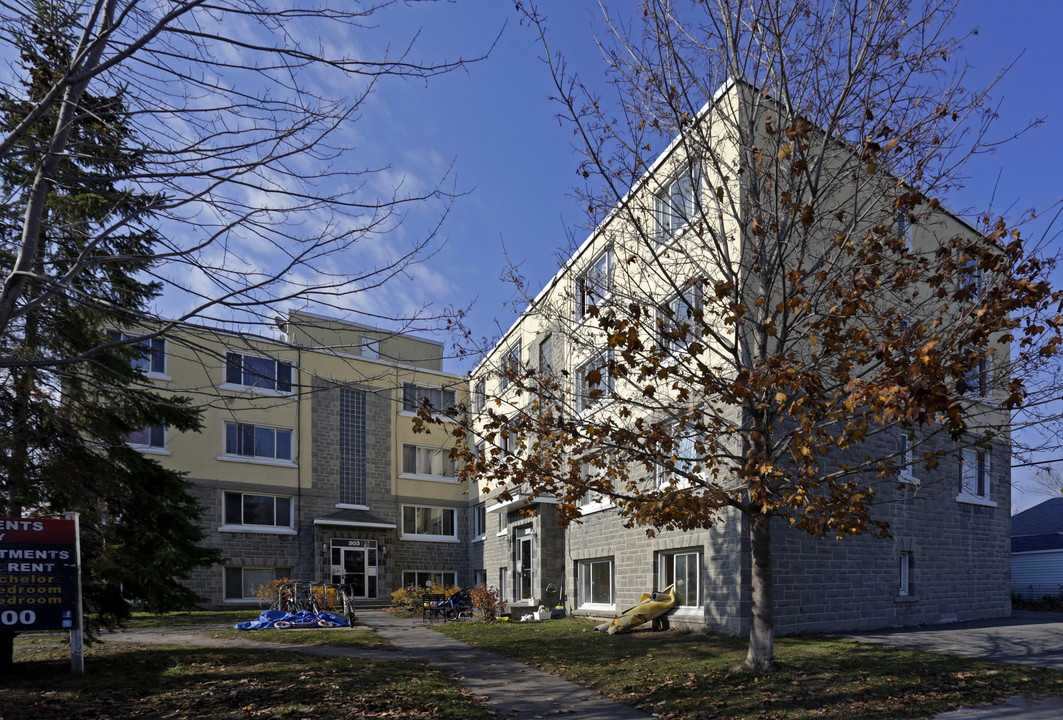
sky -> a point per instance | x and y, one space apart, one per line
493 131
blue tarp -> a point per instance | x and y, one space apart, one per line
270 619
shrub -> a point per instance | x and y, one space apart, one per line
488 601
267 593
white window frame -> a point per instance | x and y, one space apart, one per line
974 477
427 454
666 566
479 522
279 525
510 365
414 393
592 501
430 576
227 570
258 459
479 395
151 447
674 203
681 309
590 289
586 585
417 510
685 451
239 376
153 349
977 378
904 586
601 361
906 459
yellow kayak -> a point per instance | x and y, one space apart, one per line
649 608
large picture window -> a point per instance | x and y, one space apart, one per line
258 510
683 570
429 522
439 579
595 582
261 373
258 441
243 583
429 461
414 397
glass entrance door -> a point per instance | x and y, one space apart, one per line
524 564
354 562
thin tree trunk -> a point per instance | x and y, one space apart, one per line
761 655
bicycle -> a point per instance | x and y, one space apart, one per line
286 598
345 596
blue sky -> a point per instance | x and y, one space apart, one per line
517 162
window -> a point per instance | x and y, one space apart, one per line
905 587
591 501
258 372
479 577
594 283
974 473
905 459
258 510
257 441
678 320
510 366
546 355
674 204
429 522
153 436
683 570
149 354
503 584
684 459
976 380
969 276
479 522
503 521
507 440
414 397
242 583
479 396
429 578
421 460
595 582
903 226
353 476
594 382
370 347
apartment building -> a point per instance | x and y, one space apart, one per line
308 465
946 558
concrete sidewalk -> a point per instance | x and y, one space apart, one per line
510 688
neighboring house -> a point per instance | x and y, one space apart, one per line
1037 551
947 559
308 465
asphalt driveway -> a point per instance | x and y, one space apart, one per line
1028 638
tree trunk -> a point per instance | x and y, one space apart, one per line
761 655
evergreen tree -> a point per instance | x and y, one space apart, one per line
66 413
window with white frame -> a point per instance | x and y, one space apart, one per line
905 458
594 284
974 473
595 582
258 441
370 347
479 521
969 276
976 380
435 579
424 460
249 509
152 437
684 458
678 321
243 583
149 354
503 521
479 577
594 381
503 584
479 395
414 397
546 356
682 569
674 205
261 373
507 440
904 588
510 365
903 228
591 500
432 523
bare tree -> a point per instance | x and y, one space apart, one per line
774 316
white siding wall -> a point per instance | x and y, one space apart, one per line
1037 568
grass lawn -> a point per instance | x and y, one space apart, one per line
124 681
195 618
687 675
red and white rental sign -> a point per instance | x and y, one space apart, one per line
38 574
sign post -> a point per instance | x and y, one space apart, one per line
40 578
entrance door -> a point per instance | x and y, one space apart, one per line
354 562
524 564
